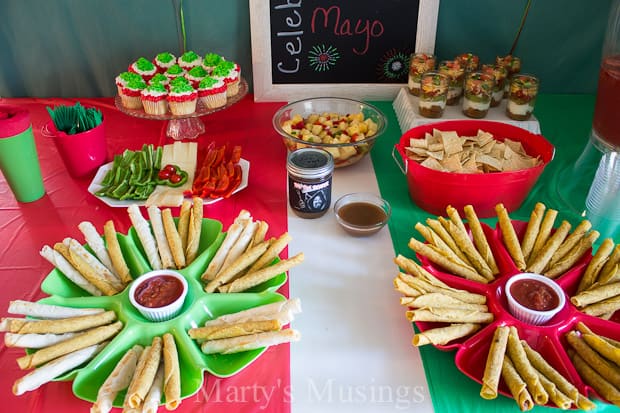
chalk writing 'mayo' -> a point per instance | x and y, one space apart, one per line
342 26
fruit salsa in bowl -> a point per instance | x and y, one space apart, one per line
346 128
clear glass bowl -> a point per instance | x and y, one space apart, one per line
344 154
367 213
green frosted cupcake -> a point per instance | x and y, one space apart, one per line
144 68
210 60
182 99
159 78
174 72
212 92
230 73
164 61
131 94
178 81
188 60
195 75
154 99
123 78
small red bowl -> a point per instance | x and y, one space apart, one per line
434 190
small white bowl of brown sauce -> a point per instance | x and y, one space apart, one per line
534 298
362 213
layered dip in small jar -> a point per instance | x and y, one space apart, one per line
478 91
512 65
500 73
522 96
419 63
433 94
456 73
468 61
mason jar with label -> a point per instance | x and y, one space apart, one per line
310 181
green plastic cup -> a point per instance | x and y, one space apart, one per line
19 161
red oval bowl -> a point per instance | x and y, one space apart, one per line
434 190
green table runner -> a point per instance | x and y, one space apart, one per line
565 121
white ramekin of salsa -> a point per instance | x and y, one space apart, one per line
158 295
534 298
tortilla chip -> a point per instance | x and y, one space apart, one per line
490 163
432 164
452 163
451 143
447 151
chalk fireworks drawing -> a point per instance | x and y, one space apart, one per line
393 65
323 58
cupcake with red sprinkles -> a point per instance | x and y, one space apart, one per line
182 99
195 75
154 99
189 60
131 94
144 68
212 92
164 60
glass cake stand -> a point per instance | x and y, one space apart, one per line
185 126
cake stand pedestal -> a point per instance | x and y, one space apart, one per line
185 126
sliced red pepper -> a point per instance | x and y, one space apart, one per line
221 186
207 189
230 168
219 155
235 156
218 171
234 182
203 176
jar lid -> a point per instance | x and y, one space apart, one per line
310 163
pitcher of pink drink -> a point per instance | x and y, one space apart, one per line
603 199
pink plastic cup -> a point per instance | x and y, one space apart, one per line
82 153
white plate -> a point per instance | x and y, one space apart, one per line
95 186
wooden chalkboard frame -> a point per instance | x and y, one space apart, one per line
266 91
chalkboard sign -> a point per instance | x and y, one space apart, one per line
303 48
345 42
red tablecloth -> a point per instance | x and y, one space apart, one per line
25 228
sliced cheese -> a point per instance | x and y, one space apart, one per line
184 155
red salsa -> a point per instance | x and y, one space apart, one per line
534 295
158 291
